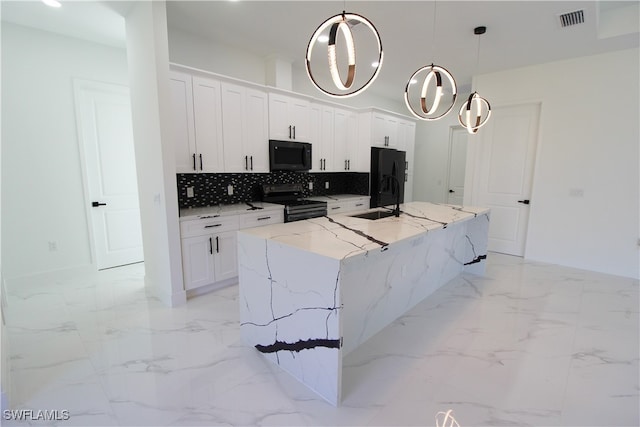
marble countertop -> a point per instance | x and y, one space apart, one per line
337 197
342 236
224 210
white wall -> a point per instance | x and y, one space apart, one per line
195 51
42 189
148 55
431 158
589 140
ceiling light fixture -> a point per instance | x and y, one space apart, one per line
52 3
341 25
427 104
475 106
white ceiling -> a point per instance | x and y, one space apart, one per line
519 33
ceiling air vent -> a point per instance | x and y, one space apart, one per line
571 18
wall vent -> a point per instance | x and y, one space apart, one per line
571 18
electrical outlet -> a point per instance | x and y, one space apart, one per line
189 191
53 246
230 190
326 185
310 185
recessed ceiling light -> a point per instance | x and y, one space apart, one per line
52 3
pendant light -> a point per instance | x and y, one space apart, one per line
427 104
476 110
326 75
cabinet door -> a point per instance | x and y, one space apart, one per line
232 127
358 159
197 261
327 138
225 257
183 135
340 140
256 125
315 122
379 130
289 118
279 120
299 111
207 107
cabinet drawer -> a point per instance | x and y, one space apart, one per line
199 227
258 219
336 207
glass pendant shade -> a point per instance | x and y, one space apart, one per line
334 72
437 94
474 113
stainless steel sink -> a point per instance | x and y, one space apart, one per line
373 215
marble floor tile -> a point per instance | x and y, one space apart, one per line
527 344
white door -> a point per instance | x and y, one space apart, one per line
507 147
106 133
457 162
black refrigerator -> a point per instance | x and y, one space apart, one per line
387 176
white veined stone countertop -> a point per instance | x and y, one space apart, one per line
342 236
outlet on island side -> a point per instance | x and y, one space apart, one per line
326 185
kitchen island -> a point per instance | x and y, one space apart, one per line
312 291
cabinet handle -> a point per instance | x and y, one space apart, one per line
359 204
200 161
406 166
251 158
212 225
348 165
217 245
336 207
210 246
294 132
289 131
194 161
406 177
246 163
208 216
262 218
345 165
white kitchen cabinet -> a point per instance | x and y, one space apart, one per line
197 131
347 205
209 243
384 130
245 127
407 132
289 118
336 146
183 136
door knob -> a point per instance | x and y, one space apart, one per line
524 202
96 204
451 191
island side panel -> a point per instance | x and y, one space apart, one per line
382 285
477 241
289 311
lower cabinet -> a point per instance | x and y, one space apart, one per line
348 205
210 248
209 259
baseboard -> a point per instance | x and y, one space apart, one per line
173 299
191 293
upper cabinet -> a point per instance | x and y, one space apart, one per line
289 118
384 130
197 131
336 146
245 127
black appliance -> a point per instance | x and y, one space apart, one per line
289 156
295 207
387 176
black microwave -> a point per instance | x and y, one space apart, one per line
289 156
